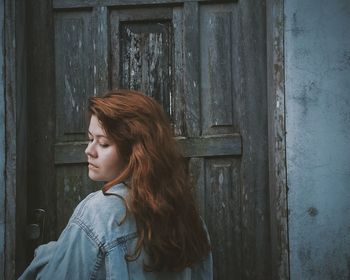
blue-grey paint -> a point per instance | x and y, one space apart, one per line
2 145
317 87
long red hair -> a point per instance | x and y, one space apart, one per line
161 196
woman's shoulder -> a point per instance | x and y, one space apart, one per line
105 214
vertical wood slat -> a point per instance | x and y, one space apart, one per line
223 214
21 133
115 48
41 116
74 67
216 68
177 102
197 171
191 68
2 146
251 97
100 49
10 140
277 144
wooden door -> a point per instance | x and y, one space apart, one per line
204 61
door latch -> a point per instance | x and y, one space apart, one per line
35 231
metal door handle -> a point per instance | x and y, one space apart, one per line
35 231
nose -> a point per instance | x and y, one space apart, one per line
90 150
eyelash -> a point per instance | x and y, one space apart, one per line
102 145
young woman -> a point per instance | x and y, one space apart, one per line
143 224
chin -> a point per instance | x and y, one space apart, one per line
95 177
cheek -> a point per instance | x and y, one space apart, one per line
112 161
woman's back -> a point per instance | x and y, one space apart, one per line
95 242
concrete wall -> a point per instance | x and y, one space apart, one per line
317 69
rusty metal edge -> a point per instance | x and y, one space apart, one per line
277 139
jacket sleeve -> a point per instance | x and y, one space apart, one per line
42 256
75 255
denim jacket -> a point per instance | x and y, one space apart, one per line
94 245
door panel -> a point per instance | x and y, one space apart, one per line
191 57
216 69
142 47
73 72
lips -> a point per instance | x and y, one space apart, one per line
91 165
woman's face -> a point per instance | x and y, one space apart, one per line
102 153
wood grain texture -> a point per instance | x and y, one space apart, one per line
277 140
191 69
216 68
100 43
41 117
75 71
223 214
21 132
197 172
10 141
2 146
216 145
250 59
142 52
177 102
65 4
73 186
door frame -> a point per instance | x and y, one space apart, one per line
277 139
13 136
2 146
13 95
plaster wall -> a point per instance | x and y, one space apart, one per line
317 88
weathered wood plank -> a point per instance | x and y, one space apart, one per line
2 147
41 116
158 13
115 49
100 50
10 139
216 68
66 4
177 102
251 97
142 52
197 173
223 215
72 187
21 132
277 140
74 71
217 145
119 20
191 69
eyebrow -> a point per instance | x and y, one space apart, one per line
98 135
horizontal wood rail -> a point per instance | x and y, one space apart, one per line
204 146
67 4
